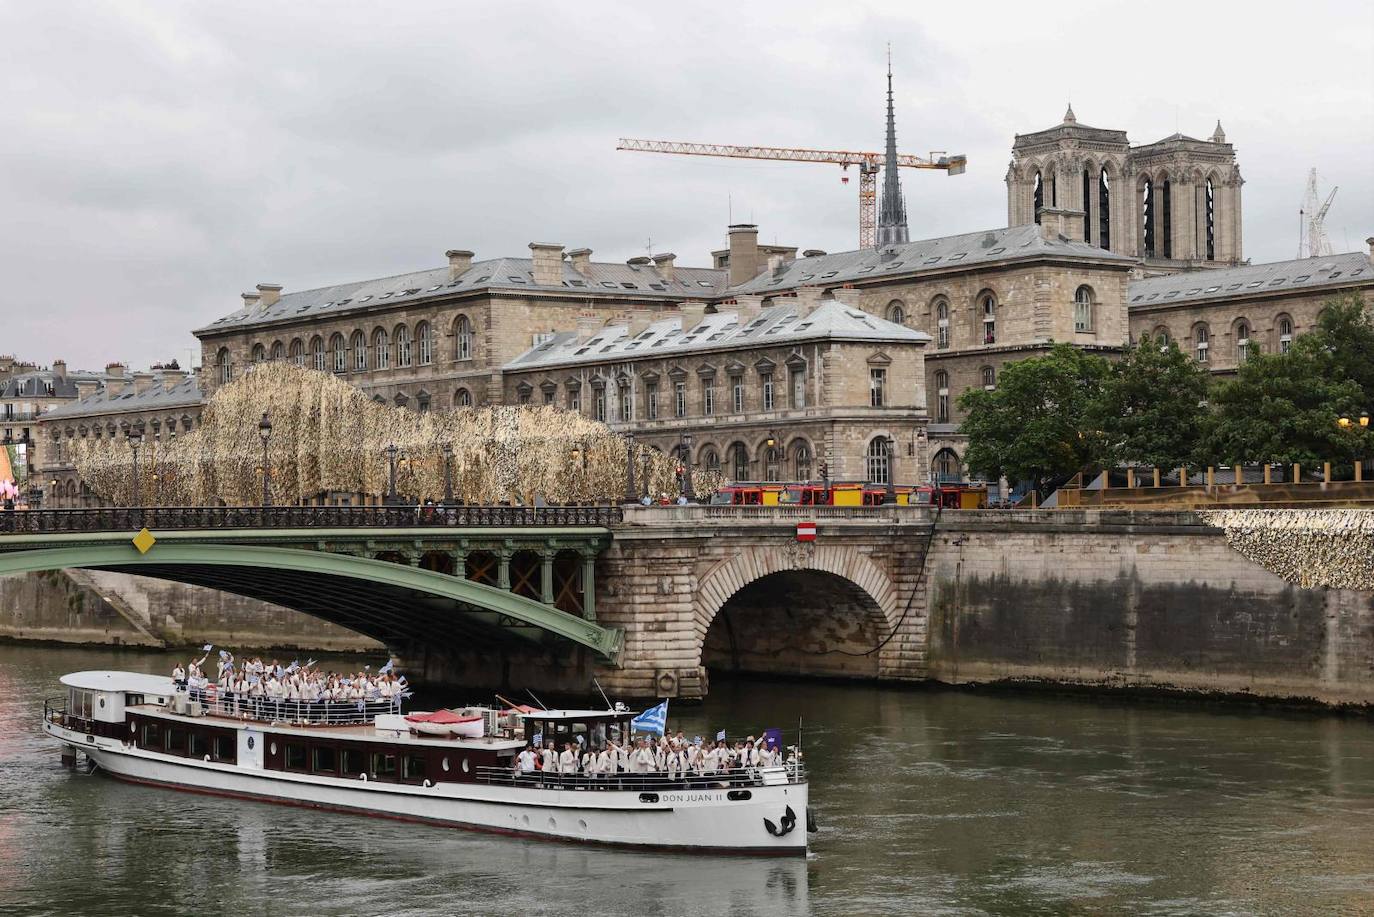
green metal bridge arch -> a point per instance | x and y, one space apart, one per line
381 599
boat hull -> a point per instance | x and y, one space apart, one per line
701 820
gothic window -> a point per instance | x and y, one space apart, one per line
1104 210
403 341
1242 341
259 353
298 352
801 457
462 338
987 307
1083 309
359 346
1038 194
278 351
942 323
1210 204
942 397
462 398
879 462
339 350
739 459
1202 340
989 378
1147 217
226 369
896 312
679 399
1285 334
877 386
946 467
1166 221
424 338
710 459
737 393
651 400
381 349
317 353
1087 210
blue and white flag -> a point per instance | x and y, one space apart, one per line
208 647
309 663
386 669
224 654
537 740
720 736
654 720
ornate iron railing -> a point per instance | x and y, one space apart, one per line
734 778
126 518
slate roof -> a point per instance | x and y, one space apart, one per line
1005 244
34 385
781 324
1277 276
638 281
185 393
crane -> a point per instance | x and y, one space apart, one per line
868 164
1312 242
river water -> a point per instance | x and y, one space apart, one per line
929 802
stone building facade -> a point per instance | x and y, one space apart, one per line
802 388
1175 203
27 392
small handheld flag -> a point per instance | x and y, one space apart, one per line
386 669
207 647
720 736
654 720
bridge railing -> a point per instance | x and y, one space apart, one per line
654 515
126 518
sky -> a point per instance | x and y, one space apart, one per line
160 158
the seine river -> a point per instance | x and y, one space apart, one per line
930 802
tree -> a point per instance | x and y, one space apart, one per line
1037 424
1347 333
1152 409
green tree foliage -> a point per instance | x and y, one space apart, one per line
1037 424
1152 406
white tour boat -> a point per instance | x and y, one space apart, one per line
374 761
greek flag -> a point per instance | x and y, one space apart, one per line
208 647
720 736
655 719
386 669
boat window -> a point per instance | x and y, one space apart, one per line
739 795
176 740
325 759
133 700
351 761
466 768
648 797
446 765
413 767
383 766
198 745
151 735
225 749
295 757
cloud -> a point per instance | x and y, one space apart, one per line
161 157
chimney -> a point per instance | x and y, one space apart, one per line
1370 243
143 382
171 378
750 305
588 324
849 297
548 263
270 293
692 313
459 260
85 388
664 263
250 300
115 385
744 253
1059 221
640 320
808 298
581 259
114 369
774 262
59 368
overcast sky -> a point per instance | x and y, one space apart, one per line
160 158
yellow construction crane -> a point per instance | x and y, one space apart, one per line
868 164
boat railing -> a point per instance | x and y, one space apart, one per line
734 778
293 712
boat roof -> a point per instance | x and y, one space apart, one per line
576 714
132 682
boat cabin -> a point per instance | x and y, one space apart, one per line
594 727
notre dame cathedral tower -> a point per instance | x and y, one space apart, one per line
1174 203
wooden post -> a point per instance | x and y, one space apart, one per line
1359 472
1239 474
1183 476
1297 473
1156 472
1211 476
1268 473
1130 477
1326 472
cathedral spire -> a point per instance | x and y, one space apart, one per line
892 228
1069 116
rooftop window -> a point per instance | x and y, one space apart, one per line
934 260
513 278
1302 279
806 277
1256 283
1234 286
343 302
365 298
1171 294
803 326
482 278
1194 291
1276 281
629 286
866 270
996 251
959 257
829 274
608 284
435 287
578 283
1211 289
703 283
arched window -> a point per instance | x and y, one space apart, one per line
772 463
381 349
879 461
1087 211
1285 326
298 352
424 338
317 353
942 397
462 338
259 353
987 309
896 312
1166 218
340 351
1104 210
946 467
1083 309
989 378
801 458
942 323
225 369
1202 340
462 398
278 351
1211 214
1242 341
402 346
1037 195
359 347
710 460
739 461
1162 336
1147 217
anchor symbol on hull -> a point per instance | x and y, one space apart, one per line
789 821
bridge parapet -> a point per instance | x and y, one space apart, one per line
787 514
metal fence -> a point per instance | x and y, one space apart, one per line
125 518
295 712
735 778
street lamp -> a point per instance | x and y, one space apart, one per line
631 492
391 453
447 449
685 450
135 436
891 495
265 434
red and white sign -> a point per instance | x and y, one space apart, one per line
806 531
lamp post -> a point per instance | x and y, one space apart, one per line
265 434
891 495
1346 424
631 492
135 436
391 453
685 451
448 474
